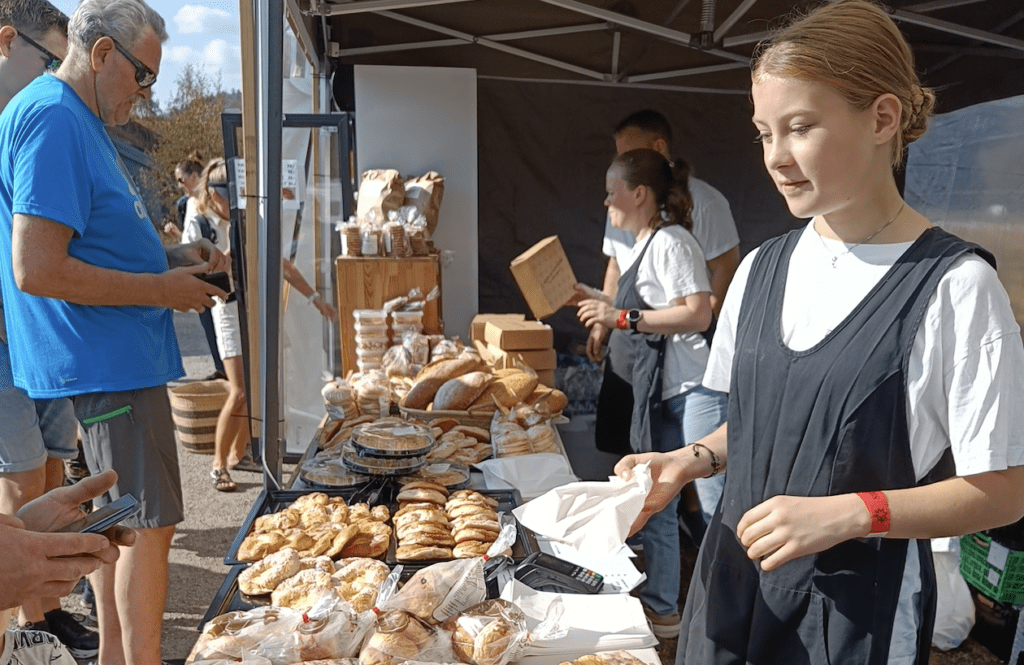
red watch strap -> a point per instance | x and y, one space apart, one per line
878 506
622 323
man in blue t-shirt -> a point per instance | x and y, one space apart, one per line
89 290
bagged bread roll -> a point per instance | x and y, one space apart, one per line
397 637
458 393
491 633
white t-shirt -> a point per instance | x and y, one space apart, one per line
713 227
965 388
674 267
33 647
191 231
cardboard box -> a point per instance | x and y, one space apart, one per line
546 377
544 277
476 326
533 358
515 335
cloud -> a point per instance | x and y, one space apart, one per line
198 20
221 54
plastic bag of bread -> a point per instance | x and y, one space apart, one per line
234 635
446 348
328 630
491 633
397 361
398 636
373 393
443 590
339 399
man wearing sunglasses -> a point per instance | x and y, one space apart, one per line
36 436
89 291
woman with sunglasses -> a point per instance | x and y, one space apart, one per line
231 437
875 375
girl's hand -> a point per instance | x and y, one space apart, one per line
596 311
669 475
785 528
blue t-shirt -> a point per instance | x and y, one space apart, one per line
57 162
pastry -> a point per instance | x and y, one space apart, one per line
423 553
266 574
259 545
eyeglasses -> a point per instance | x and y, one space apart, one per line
52 61
144 76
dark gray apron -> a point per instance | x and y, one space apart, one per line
645 354
825 421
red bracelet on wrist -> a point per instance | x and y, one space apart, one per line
622 323
878 507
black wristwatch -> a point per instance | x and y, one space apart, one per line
634 316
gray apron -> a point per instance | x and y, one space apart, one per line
645 354
829 420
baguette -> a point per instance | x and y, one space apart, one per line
458 393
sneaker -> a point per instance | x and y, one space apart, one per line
80 641
665 626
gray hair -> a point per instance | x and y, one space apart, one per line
124 20
35 17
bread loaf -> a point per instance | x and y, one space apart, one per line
458 393
449 368
509 390
422 393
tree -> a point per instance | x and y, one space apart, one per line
191 123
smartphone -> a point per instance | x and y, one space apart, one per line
103 518
545 572
218 279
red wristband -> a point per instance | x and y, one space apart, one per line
878 507
622 323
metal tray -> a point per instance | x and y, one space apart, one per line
227 599
274 501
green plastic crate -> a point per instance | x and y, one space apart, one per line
980 574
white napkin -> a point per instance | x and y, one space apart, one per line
590 516
532 475
595 622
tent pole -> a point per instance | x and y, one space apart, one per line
269 33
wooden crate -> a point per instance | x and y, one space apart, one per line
366 283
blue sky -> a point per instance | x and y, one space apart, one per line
202 33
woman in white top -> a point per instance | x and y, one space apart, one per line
874 372
231 437
664 301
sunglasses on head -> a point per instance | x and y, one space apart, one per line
52 61
144 76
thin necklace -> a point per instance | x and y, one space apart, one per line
836 257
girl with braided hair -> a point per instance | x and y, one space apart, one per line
875 375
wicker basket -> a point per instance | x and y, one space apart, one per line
195 408
477 418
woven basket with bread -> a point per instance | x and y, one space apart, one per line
466 390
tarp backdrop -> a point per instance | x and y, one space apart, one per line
544 150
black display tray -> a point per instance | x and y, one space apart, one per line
273 501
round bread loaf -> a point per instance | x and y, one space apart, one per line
458 393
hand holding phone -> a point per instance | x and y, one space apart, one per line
103 518
218 279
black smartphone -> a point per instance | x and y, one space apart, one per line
545 572
103 518
218 279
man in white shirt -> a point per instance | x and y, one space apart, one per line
713 225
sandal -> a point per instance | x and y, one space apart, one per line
222 481
247 463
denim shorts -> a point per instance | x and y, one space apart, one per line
132 432
32 430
